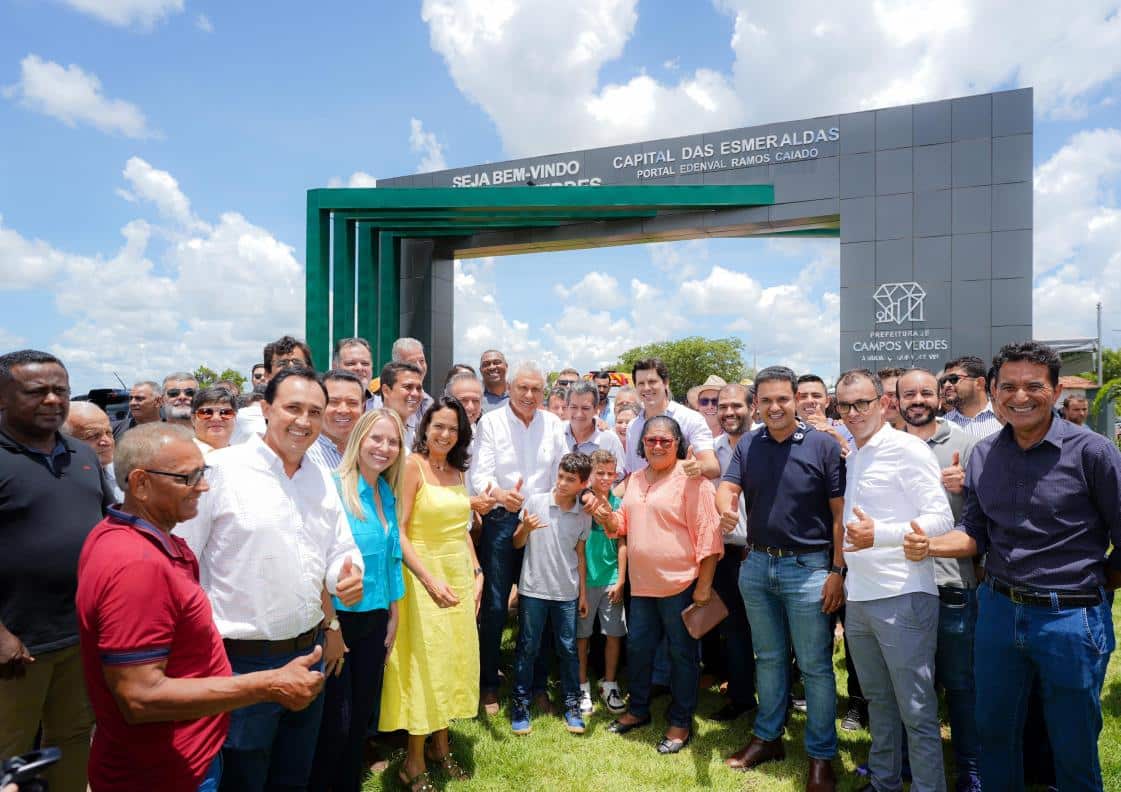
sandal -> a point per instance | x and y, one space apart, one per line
453 769
418 783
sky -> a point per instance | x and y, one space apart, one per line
155 157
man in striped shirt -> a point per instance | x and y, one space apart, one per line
345 405
965 390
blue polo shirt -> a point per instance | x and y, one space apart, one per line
787 487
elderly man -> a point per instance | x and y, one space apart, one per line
285 352
651 378
354 355
179 388
517 451
1041 498
270 534
154 663
144 402
466 388
89 423
52 492
346 401
893 486
492 367
708 399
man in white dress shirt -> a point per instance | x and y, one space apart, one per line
651 380
518 448
284 352
893 483
269 535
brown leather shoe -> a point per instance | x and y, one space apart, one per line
755 753
821 778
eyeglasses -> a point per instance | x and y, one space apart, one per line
861 405
706 402
225 413
173 393
950 379
188 479
96 434
565 383
653 442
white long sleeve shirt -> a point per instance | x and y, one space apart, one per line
894 479
506 450
267 543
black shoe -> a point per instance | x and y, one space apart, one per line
856 717
729 712
668 746
618 727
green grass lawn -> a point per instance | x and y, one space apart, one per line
552 759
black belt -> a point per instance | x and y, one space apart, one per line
779 552
953 596
260 648
1065 599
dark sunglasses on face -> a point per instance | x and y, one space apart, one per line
173 393
950 379
565 383
706 402
225 413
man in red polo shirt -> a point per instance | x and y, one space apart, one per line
158 677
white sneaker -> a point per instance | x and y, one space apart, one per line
586 705
613 698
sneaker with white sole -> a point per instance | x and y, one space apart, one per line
612 697
587 706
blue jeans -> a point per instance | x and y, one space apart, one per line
649 619
213 775
268 746
502 566
953 672
783 600
1069 649
533 615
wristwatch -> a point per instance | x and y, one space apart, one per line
842 571
478 571
334 624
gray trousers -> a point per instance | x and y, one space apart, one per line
892 642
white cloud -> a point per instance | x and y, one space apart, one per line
534 67
426 144
74 96
203 23
214 294
594 290
142 14
479 321
9 340
357 179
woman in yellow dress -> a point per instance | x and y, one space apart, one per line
432 676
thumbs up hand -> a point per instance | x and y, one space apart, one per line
512 499
953 477
484 501
859 533
296 685
916 545
690 466
350 583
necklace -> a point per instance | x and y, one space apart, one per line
438 467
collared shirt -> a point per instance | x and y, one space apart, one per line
601 554
139 601
722 445
1047 514
250 421
411 422
607 412
48 505
599 440
894 479
266 543
693 428
671 526
508 450
325 453
111 484
980 425
492 401
549 567
787 487
948 439
380 544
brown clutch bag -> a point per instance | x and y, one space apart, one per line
699 621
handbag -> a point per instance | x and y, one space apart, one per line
700 619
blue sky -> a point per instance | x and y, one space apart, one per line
155 154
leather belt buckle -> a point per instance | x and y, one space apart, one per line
1015 595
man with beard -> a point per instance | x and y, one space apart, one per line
179 388
1076 409
965 392
956 580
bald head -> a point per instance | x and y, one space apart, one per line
89 423
147 445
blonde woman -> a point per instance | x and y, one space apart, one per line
369 479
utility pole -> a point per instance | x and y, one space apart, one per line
1100 353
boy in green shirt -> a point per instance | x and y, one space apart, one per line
606 573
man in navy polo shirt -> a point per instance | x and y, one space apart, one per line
52 493
793 482
157 671
1042 498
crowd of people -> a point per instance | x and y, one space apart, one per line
240 591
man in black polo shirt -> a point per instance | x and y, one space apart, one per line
1042 498
52 493
793 482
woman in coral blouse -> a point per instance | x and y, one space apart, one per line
673 544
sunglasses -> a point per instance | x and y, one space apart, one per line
706 402
653 442
565 383
283 363
173 393
225 413
189 479
950 379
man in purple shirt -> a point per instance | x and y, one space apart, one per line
1042 498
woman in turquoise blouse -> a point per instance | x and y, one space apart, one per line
369 478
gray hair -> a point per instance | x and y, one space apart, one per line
402 345
523 367
157 388
461 376
624 390
583 388
179 375
140 447
343 343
